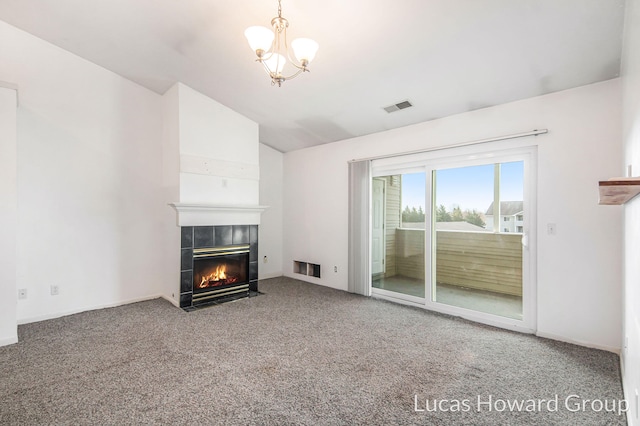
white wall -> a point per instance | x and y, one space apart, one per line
8 216
270 231
631 138
89 181
579 302
219 154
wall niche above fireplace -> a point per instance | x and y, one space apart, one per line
217 264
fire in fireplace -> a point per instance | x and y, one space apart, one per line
220 266
220 272
216 278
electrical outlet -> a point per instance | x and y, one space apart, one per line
22 293
335 269
551 228
265 259
55 290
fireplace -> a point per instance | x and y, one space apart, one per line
220 271
219 263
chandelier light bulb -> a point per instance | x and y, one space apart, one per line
304 50
259 38
275 63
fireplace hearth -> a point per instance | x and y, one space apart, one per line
218 263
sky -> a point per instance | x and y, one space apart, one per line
465 187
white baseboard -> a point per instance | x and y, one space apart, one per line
271 275
90 308
9 341
578 342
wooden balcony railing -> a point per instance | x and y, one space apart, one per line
479 260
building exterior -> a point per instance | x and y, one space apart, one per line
511 217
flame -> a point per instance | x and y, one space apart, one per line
217 277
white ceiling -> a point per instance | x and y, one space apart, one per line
445 56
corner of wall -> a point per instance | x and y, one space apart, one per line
271 223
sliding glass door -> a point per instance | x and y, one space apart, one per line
452 234
398 209
478 225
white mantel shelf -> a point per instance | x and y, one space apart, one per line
202 214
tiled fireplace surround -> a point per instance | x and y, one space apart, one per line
194 237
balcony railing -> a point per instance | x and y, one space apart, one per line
479 260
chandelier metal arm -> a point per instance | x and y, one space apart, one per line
279 78
303 65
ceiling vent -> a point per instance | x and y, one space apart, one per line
398 106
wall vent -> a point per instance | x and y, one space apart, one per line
398 106
306 268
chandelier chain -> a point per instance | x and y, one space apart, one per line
279 8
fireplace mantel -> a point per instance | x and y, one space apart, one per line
203 214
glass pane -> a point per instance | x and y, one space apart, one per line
398 234
512 196
478 254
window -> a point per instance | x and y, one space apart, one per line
519 229
506 219
506 230
519 218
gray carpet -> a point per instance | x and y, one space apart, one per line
299 354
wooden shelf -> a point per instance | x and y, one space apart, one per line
616 191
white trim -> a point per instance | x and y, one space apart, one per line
401 298
202 214
480 317
269 276
577 342
9 341
90 308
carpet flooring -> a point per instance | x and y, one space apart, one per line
299 354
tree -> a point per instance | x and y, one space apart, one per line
442 215
413 215
456 215
474 217
405 213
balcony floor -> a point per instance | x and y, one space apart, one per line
477 300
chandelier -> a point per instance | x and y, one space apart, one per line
272 49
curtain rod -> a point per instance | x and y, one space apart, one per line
456 145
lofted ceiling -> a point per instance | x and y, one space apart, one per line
444 56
